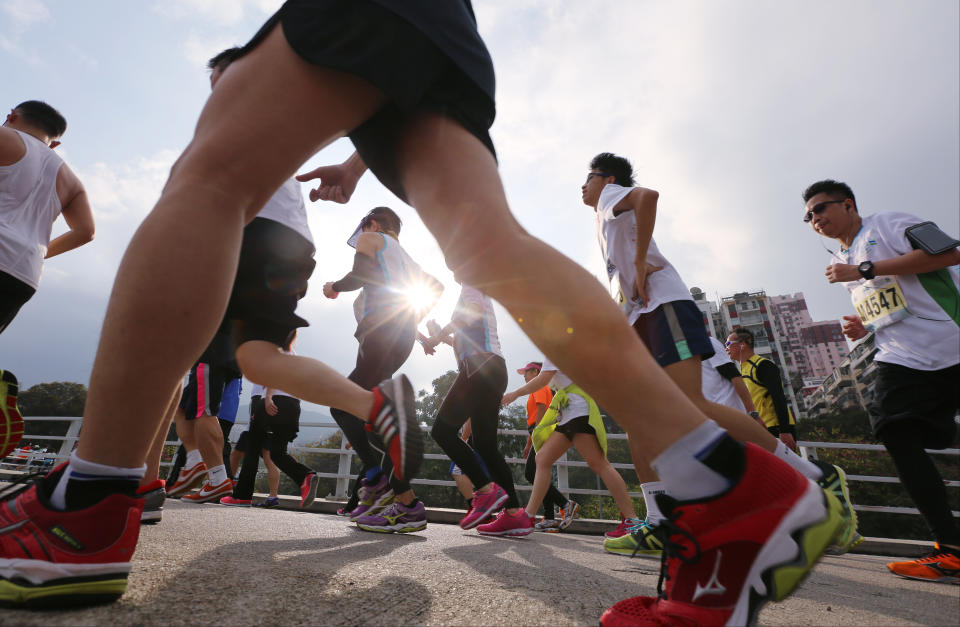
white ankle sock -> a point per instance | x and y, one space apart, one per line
81 470
217 474
650 492
193 458
680 467
805 468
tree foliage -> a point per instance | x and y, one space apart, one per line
60 398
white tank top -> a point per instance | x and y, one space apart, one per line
29 205
388 295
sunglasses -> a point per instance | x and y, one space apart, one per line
818 209
590 175
729 342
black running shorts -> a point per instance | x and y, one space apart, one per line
930 398
423 55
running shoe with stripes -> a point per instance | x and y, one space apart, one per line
834 480
51 559
394 419
726 556
153 495
397 518
483 505
548 525
189 478
373 497
640 539
568 513
11 422
210 492
308 489
937 566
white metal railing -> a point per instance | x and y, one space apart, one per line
65 444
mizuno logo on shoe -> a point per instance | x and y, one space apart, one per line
713 584
65 537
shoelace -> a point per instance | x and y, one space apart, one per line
21 484
663 532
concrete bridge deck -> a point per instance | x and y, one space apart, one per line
210 564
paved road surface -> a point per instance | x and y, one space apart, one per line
210 564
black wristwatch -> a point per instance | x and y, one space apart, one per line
866 270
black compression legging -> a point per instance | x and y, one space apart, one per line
920 477
475 395
382 351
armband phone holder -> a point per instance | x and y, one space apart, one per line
928 237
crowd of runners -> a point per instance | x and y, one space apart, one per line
736 515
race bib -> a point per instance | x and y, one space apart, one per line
879 302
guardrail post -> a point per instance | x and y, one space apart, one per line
343 470
73 431
562 484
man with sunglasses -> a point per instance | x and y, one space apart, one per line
910 299
658 305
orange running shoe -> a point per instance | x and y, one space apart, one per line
938 566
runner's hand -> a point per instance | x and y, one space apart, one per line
853 327
328 290
337 183
841 272
640 283
788 441
270 406
508 398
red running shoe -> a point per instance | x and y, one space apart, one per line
11 422
394 419
725 557
56 559
308 489
189 478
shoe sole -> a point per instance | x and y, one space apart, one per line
189 484
311 496
847 536
377 506
790 553
576 510
947 579
151 517
493 507
74 589
11 421
510 533
404 441
404 528
206 498
631 552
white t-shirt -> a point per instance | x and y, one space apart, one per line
286 206
927 338
577 406
717 388
618 244
388 297
478 334
29 205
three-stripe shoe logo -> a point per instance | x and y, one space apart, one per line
713 584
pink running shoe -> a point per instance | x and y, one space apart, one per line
519 524
483 505
308 489
622 529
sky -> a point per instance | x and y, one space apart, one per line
728 108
